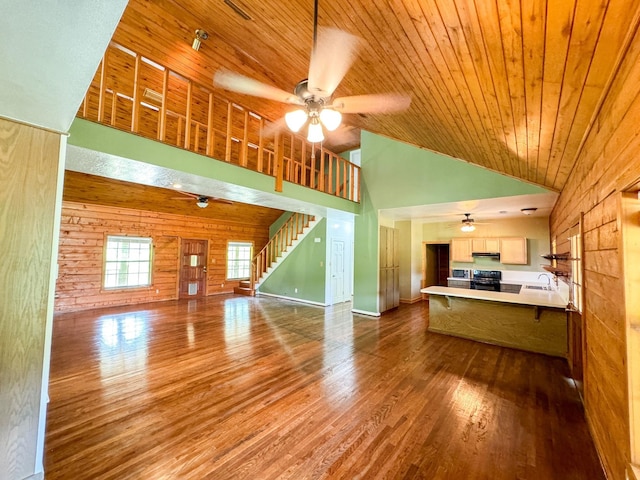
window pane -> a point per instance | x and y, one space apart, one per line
239 260
127 262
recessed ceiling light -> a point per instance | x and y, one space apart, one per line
502 212
528 211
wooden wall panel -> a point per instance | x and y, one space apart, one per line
607 164
83 231
29 163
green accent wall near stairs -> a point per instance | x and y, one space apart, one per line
303 269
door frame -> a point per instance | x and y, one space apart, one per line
206 264
424 259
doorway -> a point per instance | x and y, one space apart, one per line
435 265
193 268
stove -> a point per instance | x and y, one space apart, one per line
486 280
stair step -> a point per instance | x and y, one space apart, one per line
244 291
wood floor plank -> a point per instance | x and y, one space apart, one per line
231 387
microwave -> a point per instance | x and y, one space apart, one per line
460 273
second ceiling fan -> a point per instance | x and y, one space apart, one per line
333 53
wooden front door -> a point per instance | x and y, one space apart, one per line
193 268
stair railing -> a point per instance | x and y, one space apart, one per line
278 244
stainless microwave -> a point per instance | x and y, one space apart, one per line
460 273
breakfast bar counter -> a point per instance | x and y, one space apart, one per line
533 320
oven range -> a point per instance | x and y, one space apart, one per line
486 280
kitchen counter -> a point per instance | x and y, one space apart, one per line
533 320
537 298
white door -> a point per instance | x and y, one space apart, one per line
339 292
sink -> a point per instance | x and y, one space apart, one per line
537 287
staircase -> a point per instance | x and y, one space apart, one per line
279 246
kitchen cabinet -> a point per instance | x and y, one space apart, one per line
461 250
485 245
389 292
513 250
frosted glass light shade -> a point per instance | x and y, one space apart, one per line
467 227
330 118
315 132
295 120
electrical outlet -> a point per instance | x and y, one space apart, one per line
295 290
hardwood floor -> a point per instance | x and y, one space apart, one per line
232 387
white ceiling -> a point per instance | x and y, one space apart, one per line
484 209
50 52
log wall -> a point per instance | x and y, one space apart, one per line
607 164
83 231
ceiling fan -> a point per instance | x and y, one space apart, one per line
469 224
202 201
332 55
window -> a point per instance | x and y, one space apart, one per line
239 260
127 262
575 239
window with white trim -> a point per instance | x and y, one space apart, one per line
575 283
127 262
239 260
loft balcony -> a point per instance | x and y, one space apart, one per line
138 95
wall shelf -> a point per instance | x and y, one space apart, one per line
557 271
557 256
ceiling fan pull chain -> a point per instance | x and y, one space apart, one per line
315 25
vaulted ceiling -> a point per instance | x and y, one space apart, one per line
505 84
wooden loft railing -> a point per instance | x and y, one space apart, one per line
278 244
133 93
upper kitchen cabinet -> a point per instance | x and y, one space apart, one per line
461 249
485 245
513 250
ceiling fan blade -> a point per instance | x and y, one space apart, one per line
331 59
374 103
238 83
221 200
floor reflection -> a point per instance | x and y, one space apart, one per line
122 344
339 355
237 327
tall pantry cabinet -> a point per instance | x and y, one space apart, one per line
389 293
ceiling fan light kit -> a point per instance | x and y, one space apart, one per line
467 223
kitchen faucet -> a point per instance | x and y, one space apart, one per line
548 279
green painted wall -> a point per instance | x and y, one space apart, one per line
534 229
112 141
397 175
304 269
277 225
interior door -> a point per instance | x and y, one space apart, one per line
193 268
443 264
338 288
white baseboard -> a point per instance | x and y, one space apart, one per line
300 300
364 312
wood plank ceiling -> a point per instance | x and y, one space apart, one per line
84 188
511 85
